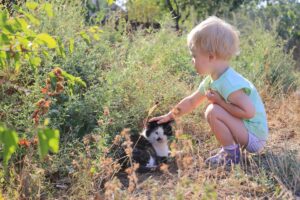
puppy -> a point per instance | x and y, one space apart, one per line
150 148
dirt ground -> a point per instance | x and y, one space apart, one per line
274 174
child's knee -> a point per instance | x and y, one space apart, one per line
212 111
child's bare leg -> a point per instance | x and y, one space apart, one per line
229 131
227 128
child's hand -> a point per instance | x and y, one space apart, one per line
162 119
214 97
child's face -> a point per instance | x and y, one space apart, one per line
201 61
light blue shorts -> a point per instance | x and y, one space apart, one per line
255 144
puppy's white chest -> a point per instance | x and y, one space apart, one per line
161 149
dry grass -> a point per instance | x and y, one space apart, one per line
275 174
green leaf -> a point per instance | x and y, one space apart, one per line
96 37
12 26
71 45
45 53
17 62
110 2
3 17
31 18
79 81
2 55
48 141
8 29
71 87
31 5
85 37
4 39
17 66
9 139
22 23
24 42
47 39
35 61
72 80
61 48
48 9
68 76
93 29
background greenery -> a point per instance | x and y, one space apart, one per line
139 57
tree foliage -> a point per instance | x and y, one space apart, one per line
23 45
9 141
20 42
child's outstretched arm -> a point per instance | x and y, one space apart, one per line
185 106
240 104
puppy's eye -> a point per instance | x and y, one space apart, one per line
156 133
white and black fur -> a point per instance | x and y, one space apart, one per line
150 148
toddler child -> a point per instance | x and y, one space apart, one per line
236 114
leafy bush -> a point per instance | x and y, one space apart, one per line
128 74
263 59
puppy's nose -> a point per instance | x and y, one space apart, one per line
158 139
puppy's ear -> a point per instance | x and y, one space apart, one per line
150 127
168 128
152 124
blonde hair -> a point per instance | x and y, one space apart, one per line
215 36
